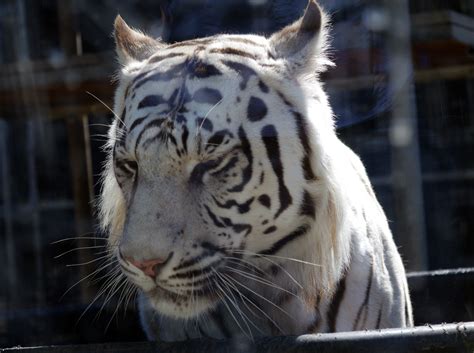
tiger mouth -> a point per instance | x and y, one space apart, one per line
207 291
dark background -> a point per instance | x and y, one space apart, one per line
51 131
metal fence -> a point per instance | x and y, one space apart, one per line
444 338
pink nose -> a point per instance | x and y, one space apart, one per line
148 267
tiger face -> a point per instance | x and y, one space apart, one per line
209 159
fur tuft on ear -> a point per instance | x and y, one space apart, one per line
132 45
303 44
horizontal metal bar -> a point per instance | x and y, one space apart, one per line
450 338
444 272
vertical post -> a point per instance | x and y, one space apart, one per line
79 152
32 110
35 212
11 269
406 170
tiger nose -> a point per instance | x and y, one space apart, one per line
149 267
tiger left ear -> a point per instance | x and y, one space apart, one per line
302 44
132 45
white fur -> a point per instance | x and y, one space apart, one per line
348 237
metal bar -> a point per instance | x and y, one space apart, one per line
10 258
406 170
444 272
450 338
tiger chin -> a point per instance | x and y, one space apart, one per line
228 199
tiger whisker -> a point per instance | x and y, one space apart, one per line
263 298
247 264
231 286
244 316
112 273
223 300
112 289
274 263
207 115
131 291
98 295
77 238
88 262
260 280
97 124
257 307
280 257
91 275
105 105
122 288
79 248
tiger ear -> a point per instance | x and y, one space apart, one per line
132 45
303 43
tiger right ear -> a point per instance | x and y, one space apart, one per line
303 43
132 45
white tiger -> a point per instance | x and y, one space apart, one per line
229 200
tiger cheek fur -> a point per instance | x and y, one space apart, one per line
228 198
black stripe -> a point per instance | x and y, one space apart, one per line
217 139
379 317
192 42
364 306
198 272
263 86
128 167
243 70
199 69
256 109
237 227
304 139
241 207
408 317
265 200
212 248
171 138
207 95
247 172
151 124
229 165
121 121
204 123
270 230
201 168
151 101
137 122
174 72
270 140
233 51
184 138
333 310
214 218
285 240
158 58
308 207
191 262
398 292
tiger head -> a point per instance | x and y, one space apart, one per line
214 159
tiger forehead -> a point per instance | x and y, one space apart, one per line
249 46
239 47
